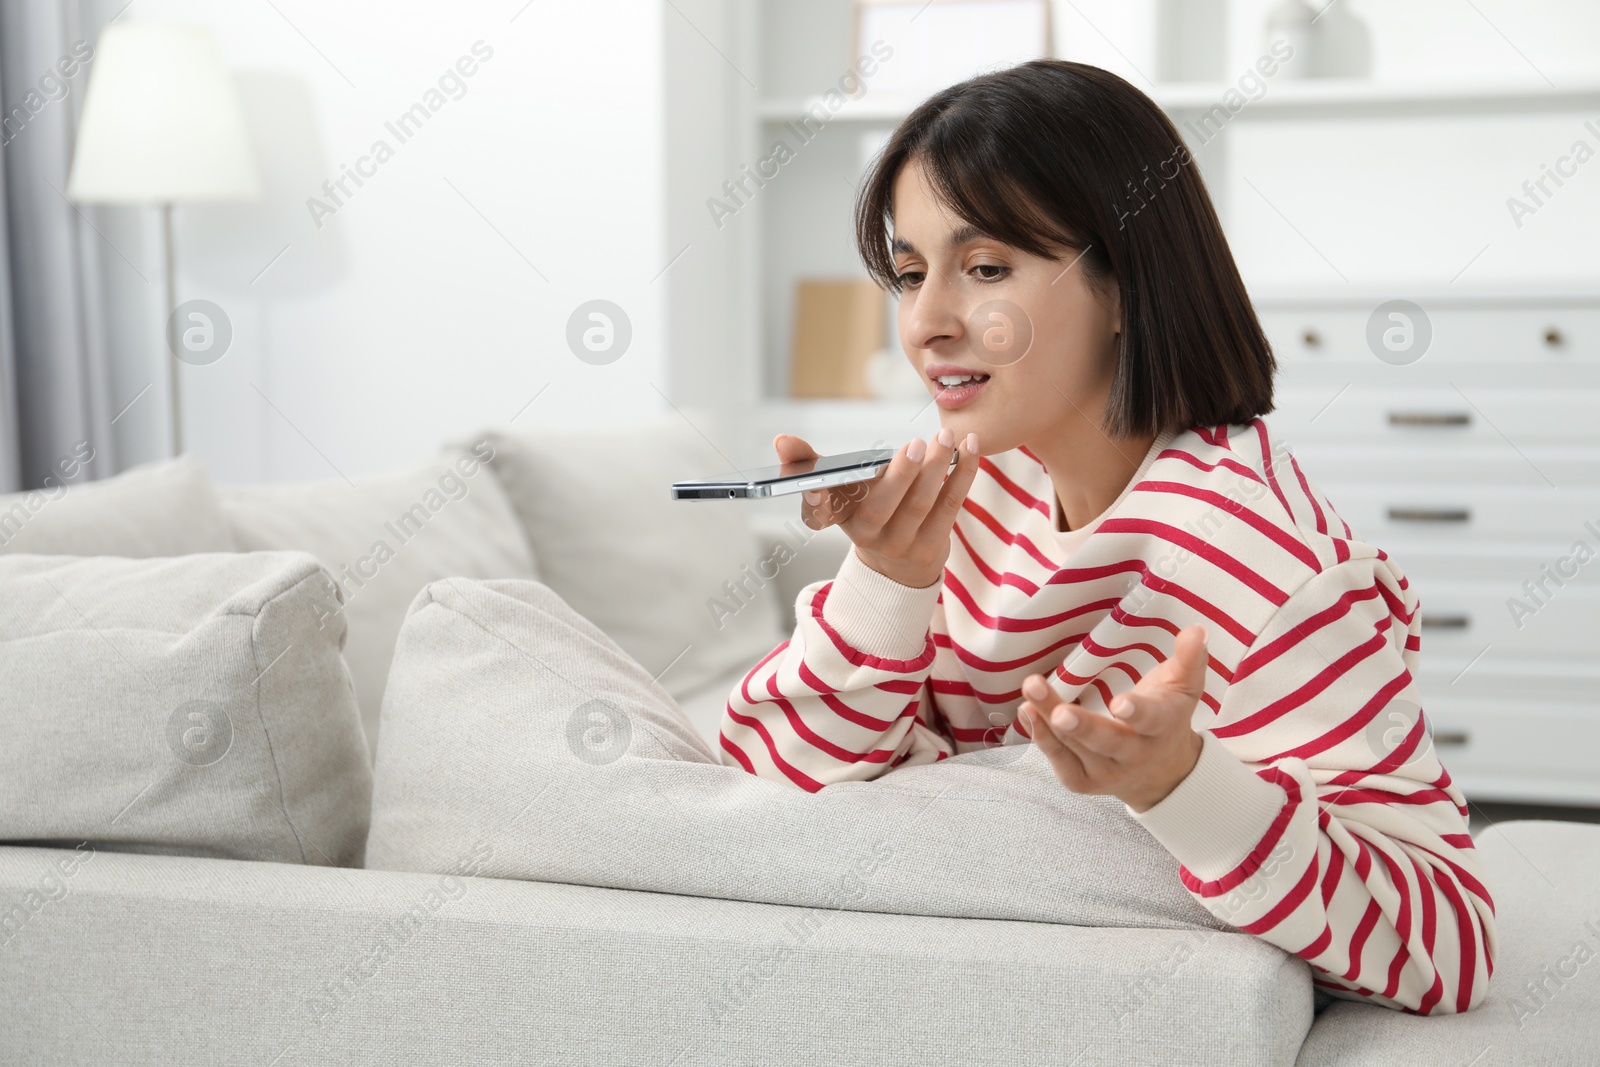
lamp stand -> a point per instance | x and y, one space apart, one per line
174 365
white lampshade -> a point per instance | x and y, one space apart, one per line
161 121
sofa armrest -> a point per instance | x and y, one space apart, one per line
151 959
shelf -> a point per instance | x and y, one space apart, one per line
1315 97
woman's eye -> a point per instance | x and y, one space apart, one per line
910 279
1001 272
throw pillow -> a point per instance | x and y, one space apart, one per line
189 706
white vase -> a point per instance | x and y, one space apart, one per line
1291 21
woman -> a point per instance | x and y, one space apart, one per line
1123 566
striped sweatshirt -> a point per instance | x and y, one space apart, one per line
1318 816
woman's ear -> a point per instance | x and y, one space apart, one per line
1107 295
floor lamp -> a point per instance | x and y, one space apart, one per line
161 124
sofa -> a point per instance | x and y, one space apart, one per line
422 768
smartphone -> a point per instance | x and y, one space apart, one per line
760 482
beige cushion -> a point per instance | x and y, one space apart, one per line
383 539
511 717
652 572
164 508
189 705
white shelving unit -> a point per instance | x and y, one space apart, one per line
799 223
1486 451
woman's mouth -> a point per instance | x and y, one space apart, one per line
956 389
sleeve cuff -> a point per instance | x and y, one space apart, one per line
877 615
1216 816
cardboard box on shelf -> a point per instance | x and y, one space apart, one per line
838 324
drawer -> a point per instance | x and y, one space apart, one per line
1388 514
1556 468
1425 416
1498 750
1553 623
1453 335
1506 564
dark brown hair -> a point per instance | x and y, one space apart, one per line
1061 159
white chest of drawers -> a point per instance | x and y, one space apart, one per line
1476 465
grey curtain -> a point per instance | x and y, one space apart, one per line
55 380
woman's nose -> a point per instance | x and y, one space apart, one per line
935 316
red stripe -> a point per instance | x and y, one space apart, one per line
952 687
861 659
735 751
1258 855
1006 537
1202 548
1461 874
1201 606
1467 934
1430 920
1022 496
1303 694
1300 632
996 666
1225 463
1330 879
1286 904
1266 465
810 736
1319 946
1402 923
1358 943
1006 623
791 772
1294 546
1355 722
1073 679
1383 796
1305 487
995 577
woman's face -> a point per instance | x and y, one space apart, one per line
974 306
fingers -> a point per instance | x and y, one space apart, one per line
792 449
1086 732
1098 735
1068 767
1190 652
837 505
1185 670
922 488
880 505
953 490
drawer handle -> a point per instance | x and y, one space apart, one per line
1311 339
1430 514
1430 418
1446 622
1553 338
1452 737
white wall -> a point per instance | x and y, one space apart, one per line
436 299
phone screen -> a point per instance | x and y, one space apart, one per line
872 457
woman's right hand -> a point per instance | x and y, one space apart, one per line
900 521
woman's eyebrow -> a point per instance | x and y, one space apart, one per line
958 238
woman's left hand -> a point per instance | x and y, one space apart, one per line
1146 747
